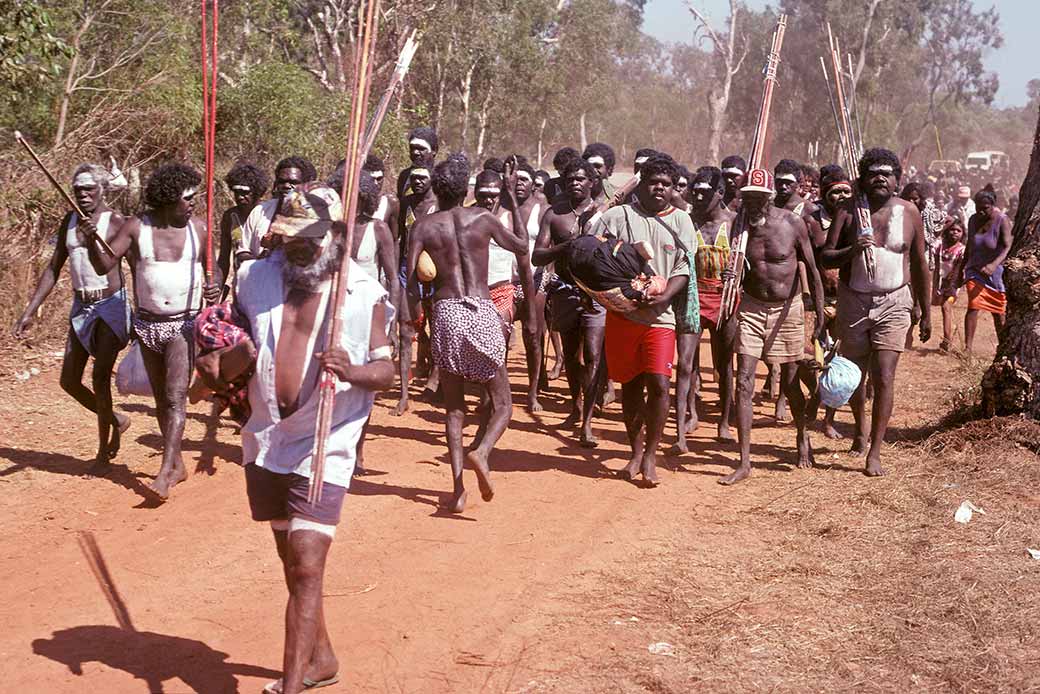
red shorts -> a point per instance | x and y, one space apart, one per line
634 348
982 298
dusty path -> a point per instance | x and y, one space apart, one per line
519 594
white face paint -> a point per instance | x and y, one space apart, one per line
84 180
733 170
241 189
524 175
420 173
786 177
420 143
489 191
702 186
641 160
599 160
188 194
377 175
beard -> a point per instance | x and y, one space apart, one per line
309 277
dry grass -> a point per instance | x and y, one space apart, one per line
836 583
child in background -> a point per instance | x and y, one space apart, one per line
949 256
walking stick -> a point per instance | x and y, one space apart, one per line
364 50
731 286
64 193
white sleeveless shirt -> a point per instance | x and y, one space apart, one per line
501 263
366 256
167 288
380 212
84 276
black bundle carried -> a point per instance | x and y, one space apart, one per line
613 272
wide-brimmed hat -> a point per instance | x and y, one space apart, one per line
307 213
759 181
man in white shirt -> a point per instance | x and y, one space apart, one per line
288 174
286 301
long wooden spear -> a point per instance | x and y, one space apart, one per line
64 193
209 117
364 50
731 287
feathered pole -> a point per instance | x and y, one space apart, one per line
851 148
364 50
209 117
731 287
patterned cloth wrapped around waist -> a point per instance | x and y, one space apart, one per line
216 328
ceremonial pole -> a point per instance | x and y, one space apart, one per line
732 284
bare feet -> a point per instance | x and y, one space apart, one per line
533 406
573 419
830 432
608 395
859 446
680 446
782 414
402 407
556 370
649 471
587 439
724 433
630 471
116 436
457 503
167 480
479 462
101 467
873 468
806 458
737 475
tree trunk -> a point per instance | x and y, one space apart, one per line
482 121
1012 383
581 128
70 79
541 141
465 97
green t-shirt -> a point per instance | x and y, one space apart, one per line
631 223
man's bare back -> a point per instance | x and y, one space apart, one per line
457 241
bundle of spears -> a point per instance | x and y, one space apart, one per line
842 95
735 276
359 141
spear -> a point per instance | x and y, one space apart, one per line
209 119
404 61
64 193
731 287
364 50
851 150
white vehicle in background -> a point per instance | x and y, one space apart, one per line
986 162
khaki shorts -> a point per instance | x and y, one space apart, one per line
871 322
771 331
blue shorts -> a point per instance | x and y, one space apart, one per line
276 496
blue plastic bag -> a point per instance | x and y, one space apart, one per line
839 382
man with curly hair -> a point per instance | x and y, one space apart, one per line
99 323
166 248
289 173
875 303
465 329
247 184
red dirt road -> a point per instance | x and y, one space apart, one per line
508 597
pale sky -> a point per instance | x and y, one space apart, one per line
1015 62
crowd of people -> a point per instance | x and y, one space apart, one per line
452 258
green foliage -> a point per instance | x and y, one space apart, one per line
29 51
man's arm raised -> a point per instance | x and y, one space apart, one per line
118 242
